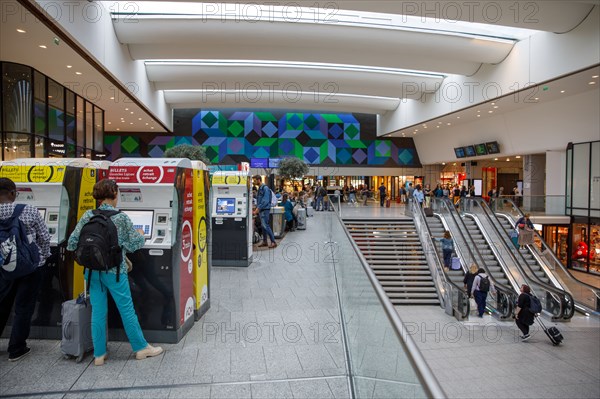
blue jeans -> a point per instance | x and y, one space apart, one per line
264 221
447 258
319 204
480 297
100 284
23 293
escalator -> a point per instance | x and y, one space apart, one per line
556 302
586 297
500 304
437 229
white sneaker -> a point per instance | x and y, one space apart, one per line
149 351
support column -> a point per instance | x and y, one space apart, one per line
556 176
534 180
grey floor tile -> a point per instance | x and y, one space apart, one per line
271 390
213 361
248 360
240 391
309 389
197 392
281 359
339 387
315 357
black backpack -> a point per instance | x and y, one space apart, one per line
19 254
484 284
535 306
98 247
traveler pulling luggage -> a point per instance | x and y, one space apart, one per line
76 328
555 336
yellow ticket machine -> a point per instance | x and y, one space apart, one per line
61 189
231 216
158 196
202 231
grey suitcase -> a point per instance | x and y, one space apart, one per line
76 328
301 219
310 211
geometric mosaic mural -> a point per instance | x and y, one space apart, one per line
235 136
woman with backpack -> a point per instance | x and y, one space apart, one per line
523 316
481 286
115 279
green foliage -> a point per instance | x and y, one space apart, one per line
292 168
192 152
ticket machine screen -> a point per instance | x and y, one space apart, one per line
142 220
225 205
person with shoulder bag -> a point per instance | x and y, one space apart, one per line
482 284
114 279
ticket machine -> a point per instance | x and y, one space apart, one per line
231 214
202 232
61 189
158 196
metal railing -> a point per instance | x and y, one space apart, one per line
502 304
587 297
375 337
557 302
454 299
545 204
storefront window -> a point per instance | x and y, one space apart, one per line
16 99
89 125
70 117
98 129
39 146
16 146
80 122
39 103
56 111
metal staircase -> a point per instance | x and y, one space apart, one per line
395 254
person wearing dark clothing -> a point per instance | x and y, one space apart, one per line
263 209
22 292
525 221
482 284
469 278
523 316
382 195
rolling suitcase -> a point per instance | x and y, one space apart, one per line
428 212
76 328
455 264
301 219
310 211
388 202
555 336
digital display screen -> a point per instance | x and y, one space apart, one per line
259 162
459 152
142 220
274 162
42 212
492 147
225 205
469 151
480 149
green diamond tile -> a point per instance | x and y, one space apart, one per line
265 116
130 144
332 118
209 119
356 144
236 128
351 131
311 122
265 142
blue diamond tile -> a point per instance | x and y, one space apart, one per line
359 156
311 155
269 129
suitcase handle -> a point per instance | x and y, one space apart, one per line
67 330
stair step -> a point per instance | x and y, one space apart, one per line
431 295
408 302
406 283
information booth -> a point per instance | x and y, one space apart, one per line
158 196
61 189
231 216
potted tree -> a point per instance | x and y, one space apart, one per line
191 152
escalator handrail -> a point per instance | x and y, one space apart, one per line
500 288
446 280
528 277
557 261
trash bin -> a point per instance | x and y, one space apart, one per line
278 221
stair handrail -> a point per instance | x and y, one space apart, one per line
441 279
594 300
565 306
506 298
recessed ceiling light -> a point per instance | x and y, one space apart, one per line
448 123
69 66
478 111
507 159
112 98
592 82
424 127
42 46
495 106
131 123
458 117
438 126
495 159
122 121
147 125
493 103
595 77
443 163
537 98
562 91
518 157
110 123
126 109
21 31
454 164
414 132
490 112
151 127
118 129
139 119
49 96
77 73
479 116
439 123
131 112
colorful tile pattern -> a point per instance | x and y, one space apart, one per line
235 136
